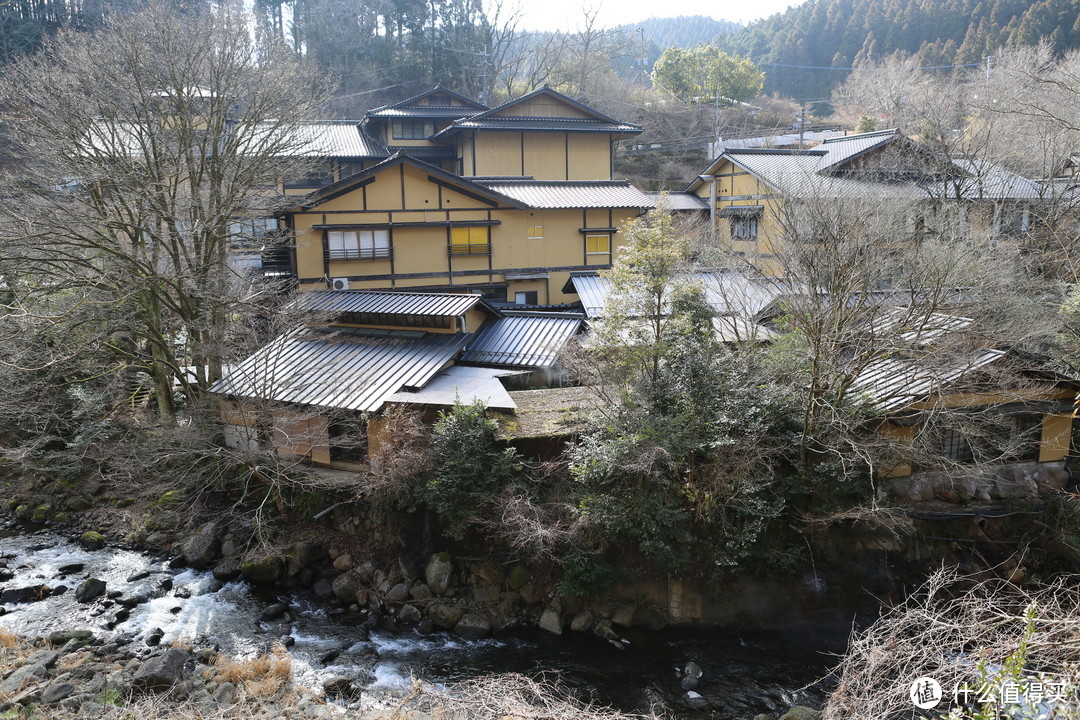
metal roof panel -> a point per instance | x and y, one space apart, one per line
525 340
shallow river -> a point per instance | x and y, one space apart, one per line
744 673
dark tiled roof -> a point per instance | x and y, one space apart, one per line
550 124
468 105
423 111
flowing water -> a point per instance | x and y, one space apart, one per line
744 672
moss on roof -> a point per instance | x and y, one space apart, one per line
554 412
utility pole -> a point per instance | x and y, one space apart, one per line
800 124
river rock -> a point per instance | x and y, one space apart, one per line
201 548
225 695
444 614
343 563
582 621
437 573
90 589
262 571
323 589
228 568
341 685
650 618
24 676
695 701
397 594
531 593
275 611
47 658
691 676
420 592
624 615
71 568
62 637
485 591
28 594
344 588
473 626
56 692
409 614
550 621
92 540
154 638
801 712
161 672
303 555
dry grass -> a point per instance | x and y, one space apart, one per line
8 639
262 676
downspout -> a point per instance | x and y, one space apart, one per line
711 179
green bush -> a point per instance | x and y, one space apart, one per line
471 468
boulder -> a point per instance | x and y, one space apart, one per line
90 589
228 568
303 555
62 637
801 712
551 622
582 621
650 618
56 692
397 594
419 591
518 577
262 571
323 588
624 615
473 626
344 588
444 614
343 563
409 614
161 672
275 611
531 593
25 676
92 540
70 568
485 591
696 701
437 573
691 676
225 695
200 549
28 594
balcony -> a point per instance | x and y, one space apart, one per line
469 249
359 254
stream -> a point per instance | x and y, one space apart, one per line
745 672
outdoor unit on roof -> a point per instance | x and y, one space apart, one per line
339 283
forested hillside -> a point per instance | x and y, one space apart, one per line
842 33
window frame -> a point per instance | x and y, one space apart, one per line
535 232
737 224
398 129
534 293
606 237
471 247
366 244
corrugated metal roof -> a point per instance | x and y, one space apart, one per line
893 383
554 195
333 368
523 340
729 293
388 303
678 200
461 384
337 139
916 328
988 180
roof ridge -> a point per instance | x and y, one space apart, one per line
875 133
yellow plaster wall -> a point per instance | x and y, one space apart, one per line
589 156
542 106
498 153
1056 437
902 434
545 155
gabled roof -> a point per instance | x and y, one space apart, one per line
562 194
820 172
350 183
391 303
894 383
412 107
523 340
496 119
678 201
340 368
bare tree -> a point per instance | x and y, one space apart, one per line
146 148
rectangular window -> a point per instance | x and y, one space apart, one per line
1025 436
1013 219
743 228
526 298
469 241
358 244
597 244
412 129
536 232
955 447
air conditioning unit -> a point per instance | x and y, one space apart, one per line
339 283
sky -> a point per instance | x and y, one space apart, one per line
567 14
